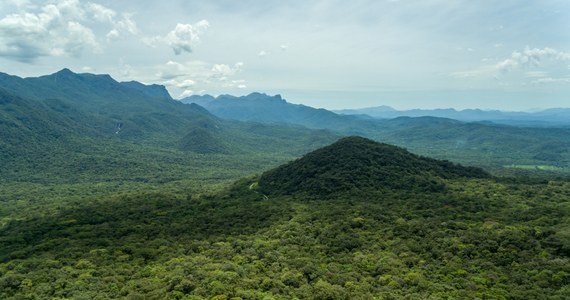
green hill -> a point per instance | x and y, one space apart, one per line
484 144
355 164
476 238
66 126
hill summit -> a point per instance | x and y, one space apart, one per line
355 163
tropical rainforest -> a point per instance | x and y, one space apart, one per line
113 190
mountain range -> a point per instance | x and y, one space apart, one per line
548 117
91 122
487 143
114 190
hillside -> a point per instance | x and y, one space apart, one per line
355 164
258 107
96 128
476 238
504 149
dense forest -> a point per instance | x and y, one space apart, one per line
472 236
113 190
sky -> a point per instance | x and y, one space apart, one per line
508 55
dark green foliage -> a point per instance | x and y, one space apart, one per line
356 164
88 213
94 128
202 140
479 239
478 143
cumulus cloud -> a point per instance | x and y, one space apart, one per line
101 13
223 71
57 29
262 53
184 78
531 58
184 37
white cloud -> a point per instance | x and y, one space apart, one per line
101 13
186 83
58 29
127 24
184 78
186 93
284 47
113 35
223 71
184 36
531 58
171 70
79 38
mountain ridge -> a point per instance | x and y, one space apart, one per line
544 117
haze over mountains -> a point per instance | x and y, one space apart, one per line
547 117
87 119
483 142
117 183
247 108
79 115
115 190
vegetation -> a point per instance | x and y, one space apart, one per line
475 238
483 144
356 164
114 190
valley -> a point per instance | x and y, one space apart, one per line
114 190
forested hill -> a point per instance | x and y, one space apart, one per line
469 238
483 144
355 164
108 106
68 125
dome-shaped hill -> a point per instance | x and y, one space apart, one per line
356 163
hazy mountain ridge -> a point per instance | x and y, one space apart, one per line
546 117
474 143
92 120
120 197
259 107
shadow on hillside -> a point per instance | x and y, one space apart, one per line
123 222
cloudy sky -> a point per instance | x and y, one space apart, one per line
512 55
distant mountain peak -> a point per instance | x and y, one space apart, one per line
359 164
63 73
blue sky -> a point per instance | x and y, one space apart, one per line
510 55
